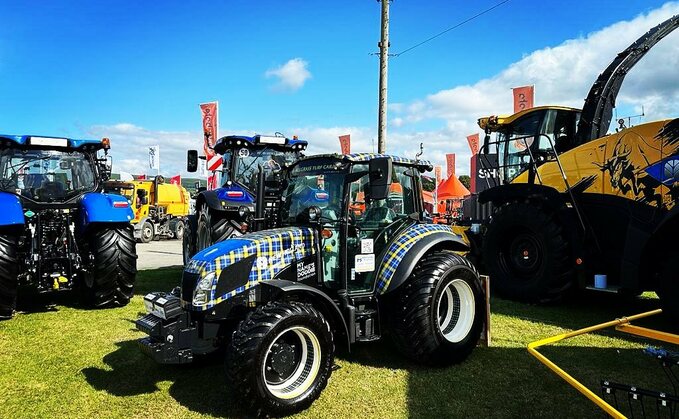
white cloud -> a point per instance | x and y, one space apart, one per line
291 75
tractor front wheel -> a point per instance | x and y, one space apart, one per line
527 254
147 232
179 230
438 315
280 357
109 278
189 239
9 272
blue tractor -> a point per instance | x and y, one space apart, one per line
349 262
58 230
249 197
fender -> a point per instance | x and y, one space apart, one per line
276 288
505 193
12 213
104 208
409 247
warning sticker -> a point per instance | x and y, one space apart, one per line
364 263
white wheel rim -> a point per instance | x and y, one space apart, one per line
307 367
455 310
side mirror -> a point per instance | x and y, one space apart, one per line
380 178
192 161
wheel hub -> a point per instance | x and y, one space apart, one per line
524 253
282 359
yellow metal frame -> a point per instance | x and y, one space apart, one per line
621 324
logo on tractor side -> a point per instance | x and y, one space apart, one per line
305 271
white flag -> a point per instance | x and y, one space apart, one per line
154 157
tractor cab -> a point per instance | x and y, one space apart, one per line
529 138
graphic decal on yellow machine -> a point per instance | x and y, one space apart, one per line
400 247
638 163
273 251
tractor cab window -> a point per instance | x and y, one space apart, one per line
513 145
376 221
46 175
249 160
558 130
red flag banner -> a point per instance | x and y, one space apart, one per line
212 181
345 143
176 180
139 177
450 160
523 98
473 141
210 124
437 172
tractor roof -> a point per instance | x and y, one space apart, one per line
51 142
238 141
495 123
365 157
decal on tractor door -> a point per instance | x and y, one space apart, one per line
305 270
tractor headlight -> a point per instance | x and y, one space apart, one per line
201 295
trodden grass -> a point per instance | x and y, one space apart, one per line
69 362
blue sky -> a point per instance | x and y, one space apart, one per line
136 71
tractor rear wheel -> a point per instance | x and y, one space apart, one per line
527 254
280 357
438 314
212 227
109 279
9 272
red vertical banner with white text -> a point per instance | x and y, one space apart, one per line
437 173
450 162
524 98
345 143
473 141
210 124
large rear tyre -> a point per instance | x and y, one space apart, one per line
438 314
668 286
527 254
109 279
280 357
213 227
189 239
9 272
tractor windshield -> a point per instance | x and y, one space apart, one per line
317 183
46 175
248 162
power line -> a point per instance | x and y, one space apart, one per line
452 27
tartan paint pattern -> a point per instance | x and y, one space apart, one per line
274 250
399 247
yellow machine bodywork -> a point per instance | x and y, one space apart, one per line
174 199
616 165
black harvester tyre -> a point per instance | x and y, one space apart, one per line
109 280
280 357
527 254
668 286
438 315
189 240
212 227
9 272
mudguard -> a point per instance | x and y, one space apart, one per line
513 191
274 288
12 213
409 247
104 208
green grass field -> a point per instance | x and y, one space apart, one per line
68 362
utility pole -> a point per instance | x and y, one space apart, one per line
384 58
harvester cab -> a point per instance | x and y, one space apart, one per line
579 207
252 176
353 257
58 230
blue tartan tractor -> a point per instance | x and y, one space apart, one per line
251 174
353 259
58 230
